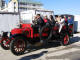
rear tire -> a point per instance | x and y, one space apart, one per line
18 45
65 40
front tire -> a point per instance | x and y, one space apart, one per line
18 45
5 43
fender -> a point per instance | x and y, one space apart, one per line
15 35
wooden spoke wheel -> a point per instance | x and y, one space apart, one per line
18 45
5 43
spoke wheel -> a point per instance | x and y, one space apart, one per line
65 40
5 43
45 34
18 45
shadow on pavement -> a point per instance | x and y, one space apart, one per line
49 45
34 56
33 49
54 44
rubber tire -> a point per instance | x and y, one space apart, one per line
5 48
46 40
62 42
12 46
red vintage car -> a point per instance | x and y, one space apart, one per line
29 34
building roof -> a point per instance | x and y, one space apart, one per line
30 1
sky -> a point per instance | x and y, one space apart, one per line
61 6
7 1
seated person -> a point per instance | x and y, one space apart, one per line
70 20
38 21
52 20
57 20
65 17
46 20
35 20
61 23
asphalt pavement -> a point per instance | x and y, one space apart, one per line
52 51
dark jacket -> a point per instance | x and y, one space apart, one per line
40 21
52 22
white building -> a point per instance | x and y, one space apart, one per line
8 21
22 5
2 4
10 7
27 8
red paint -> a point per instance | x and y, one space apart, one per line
66 39
55 28
64 27
36 35
45 20
44 34
25 27
16 31
71 26
28 26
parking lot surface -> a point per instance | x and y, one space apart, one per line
53 51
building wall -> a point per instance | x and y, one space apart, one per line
12 6
8 21
77 23
26 6
16 6
0 4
